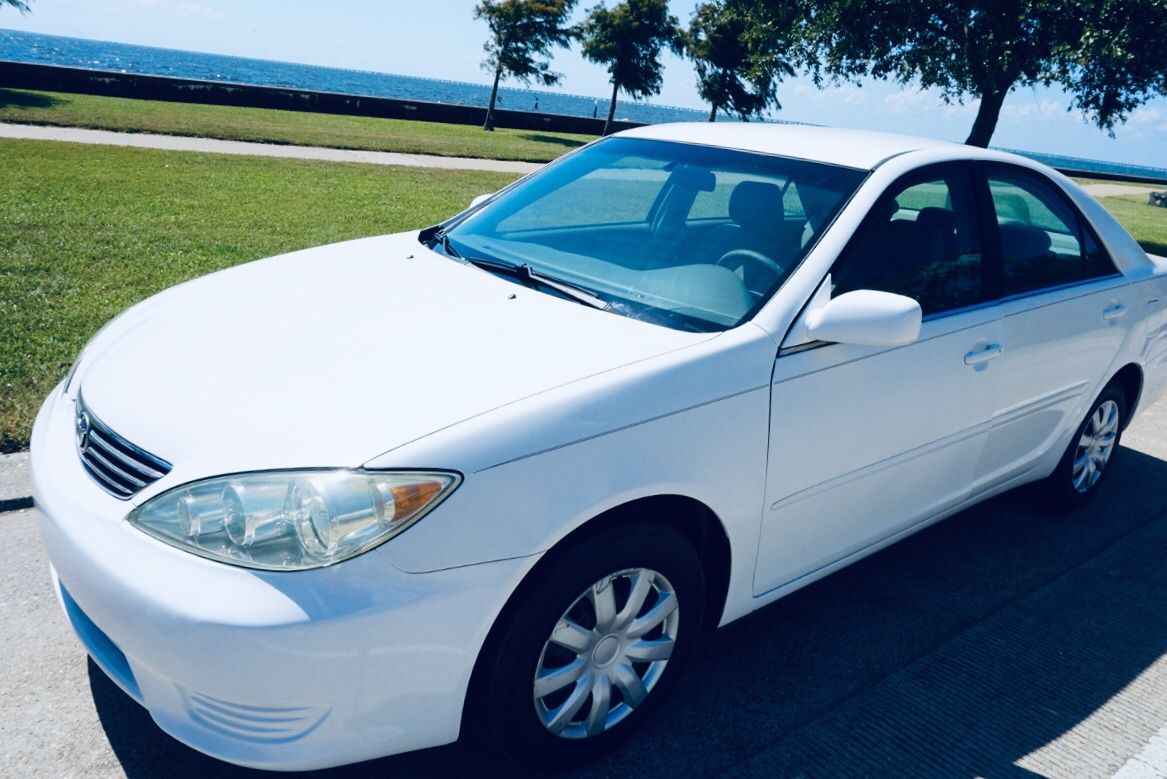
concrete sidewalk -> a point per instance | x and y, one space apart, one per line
1116 190
213 145
246 148
15 486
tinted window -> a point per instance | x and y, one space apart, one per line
1044 243
921 240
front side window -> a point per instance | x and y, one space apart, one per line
921 240
688 236
1043 242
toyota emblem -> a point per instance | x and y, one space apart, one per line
84 425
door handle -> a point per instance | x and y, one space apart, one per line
980 356
1111 313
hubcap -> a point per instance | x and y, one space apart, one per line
606 653
1095 446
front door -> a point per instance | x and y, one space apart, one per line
867 442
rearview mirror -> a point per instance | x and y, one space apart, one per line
480 200
866 317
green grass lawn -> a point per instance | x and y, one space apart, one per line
1148 224
86 231
288 127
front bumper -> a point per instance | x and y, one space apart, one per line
287 670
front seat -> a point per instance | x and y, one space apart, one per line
757 223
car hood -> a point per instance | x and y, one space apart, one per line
331 356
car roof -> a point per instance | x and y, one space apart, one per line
863 149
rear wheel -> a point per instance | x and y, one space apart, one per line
592 649
1084 465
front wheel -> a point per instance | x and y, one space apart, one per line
598 638
1084 464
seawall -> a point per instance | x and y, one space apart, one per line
54 78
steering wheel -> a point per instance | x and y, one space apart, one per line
744 256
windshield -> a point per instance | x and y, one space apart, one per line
691 237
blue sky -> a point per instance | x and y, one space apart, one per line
441 39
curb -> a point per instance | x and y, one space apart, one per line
15 482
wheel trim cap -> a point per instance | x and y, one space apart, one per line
618 650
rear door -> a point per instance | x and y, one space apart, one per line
1066 312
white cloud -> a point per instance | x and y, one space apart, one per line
915 100
919 100
1016 108
1148 119
911 101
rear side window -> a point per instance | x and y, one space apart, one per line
1044 243
921 240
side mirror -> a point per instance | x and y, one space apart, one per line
866 317
480 200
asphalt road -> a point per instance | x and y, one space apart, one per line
1007 641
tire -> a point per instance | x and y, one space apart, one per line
1086 461
568 724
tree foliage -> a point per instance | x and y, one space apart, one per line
522 34
738 64
628 40
1108 54
19 5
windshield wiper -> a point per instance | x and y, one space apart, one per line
447 246
521 272
533 278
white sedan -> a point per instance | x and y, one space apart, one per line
499 474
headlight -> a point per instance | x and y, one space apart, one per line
291 520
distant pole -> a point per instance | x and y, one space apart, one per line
595 108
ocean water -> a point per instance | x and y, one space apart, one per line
147 60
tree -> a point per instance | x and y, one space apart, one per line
19 5
628 39
736 69
1106 53
522 34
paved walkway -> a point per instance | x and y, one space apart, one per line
1113 190
186 143
15 487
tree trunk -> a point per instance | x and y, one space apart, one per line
489 123
987 115
713 113
611 108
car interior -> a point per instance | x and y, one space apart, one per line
711 243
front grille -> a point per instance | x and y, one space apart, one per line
119 467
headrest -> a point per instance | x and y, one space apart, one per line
936 218
756 205
1022 242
